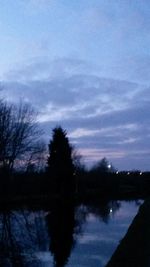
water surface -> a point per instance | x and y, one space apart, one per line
64 234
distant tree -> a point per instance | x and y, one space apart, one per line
79 170
103 166
60 162
79 166
19 135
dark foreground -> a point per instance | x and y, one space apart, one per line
134 249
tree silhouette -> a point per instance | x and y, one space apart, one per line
19 135
60 162
103 166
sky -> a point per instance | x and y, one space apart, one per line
84 65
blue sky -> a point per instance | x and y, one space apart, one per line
84 65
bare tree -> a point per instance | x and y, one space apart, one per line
35 160
19 133
5 121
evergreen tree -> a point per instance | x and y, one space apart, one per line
60 163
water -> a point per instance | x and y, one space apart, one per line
64 235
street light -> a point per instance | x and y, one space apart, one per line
109 166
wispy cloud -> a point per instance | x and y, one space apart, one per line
103 116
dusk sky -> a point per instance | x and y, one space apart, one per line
84 65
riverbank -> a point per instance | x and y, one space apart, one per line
39 200
134 248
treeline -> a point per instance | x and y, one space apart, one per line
84 185
28 169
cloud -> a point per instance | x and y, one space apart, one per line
103 116
42 68
81 132
83 97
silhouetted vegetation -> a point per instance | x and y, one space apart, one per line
20 138
23 155
60 163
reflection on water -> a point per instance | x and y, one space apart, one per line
62 229
64 234
22 233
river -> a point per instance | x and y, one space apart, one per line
63 234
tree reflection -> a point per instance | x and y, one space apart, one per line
9 249
64 224
24 233
104 209
19 238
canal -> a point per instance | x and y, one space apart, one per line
63 234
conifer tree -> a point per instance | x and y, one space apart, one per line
60 163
